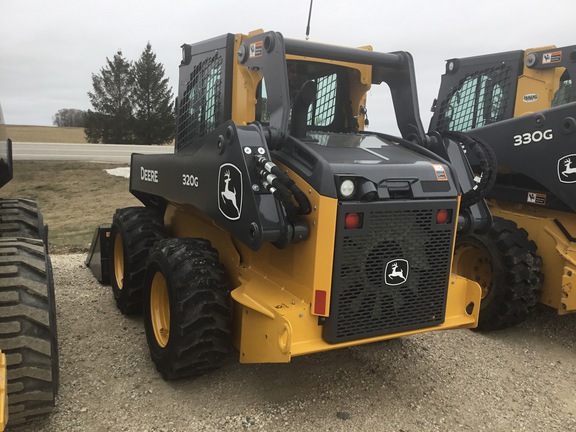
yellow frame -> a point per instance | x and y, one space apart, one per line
558 252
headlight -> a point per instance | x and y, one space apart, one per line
347 188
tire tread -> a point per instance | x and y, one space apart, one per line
202 312
517 282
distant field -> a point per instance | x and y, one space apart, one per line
75 197
45 134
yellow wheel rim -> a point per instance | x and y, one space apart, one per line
474 263
119 261
160 309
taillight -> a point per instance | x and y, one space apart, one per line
443 216
353 220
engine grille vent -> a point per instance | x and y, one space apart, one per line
391 275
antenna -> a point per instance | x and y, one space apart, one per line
309 17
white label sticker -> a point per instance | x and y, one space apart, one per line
256 49
536 198
440 172
552 57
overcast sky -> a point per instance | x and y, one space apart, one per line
49 49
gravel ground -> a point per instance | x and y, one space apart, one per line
521 379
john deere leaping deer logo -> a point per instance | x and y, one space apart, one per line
230 191
396 272
566 169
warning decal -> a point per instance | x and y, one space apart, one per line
552 57
440 172
536 198
256 49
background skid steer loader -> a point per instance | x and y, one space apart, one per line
522 104
29 367
279 226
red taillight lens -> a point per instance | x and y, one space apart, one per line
443 216
352 221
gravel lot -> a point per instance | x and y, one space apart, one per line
520 379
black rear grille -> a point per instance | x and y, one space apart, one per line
369 295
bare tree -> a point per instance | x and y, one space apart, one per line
69 117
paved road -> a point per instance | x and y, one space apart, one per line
82 152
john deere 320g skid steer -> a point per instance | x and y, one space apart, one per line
523 105
279 226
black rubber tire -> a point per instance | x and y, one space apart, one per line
138 229
199 339
28 334
21 218
516 278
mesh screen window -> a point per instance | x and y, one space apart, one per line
566 91
478 100
200 105
323 110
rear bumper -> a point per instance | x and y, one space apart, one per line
273 326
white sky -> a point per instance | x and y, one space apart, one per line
50 48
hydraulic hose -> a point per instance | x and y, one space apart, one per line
486 178
283 188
